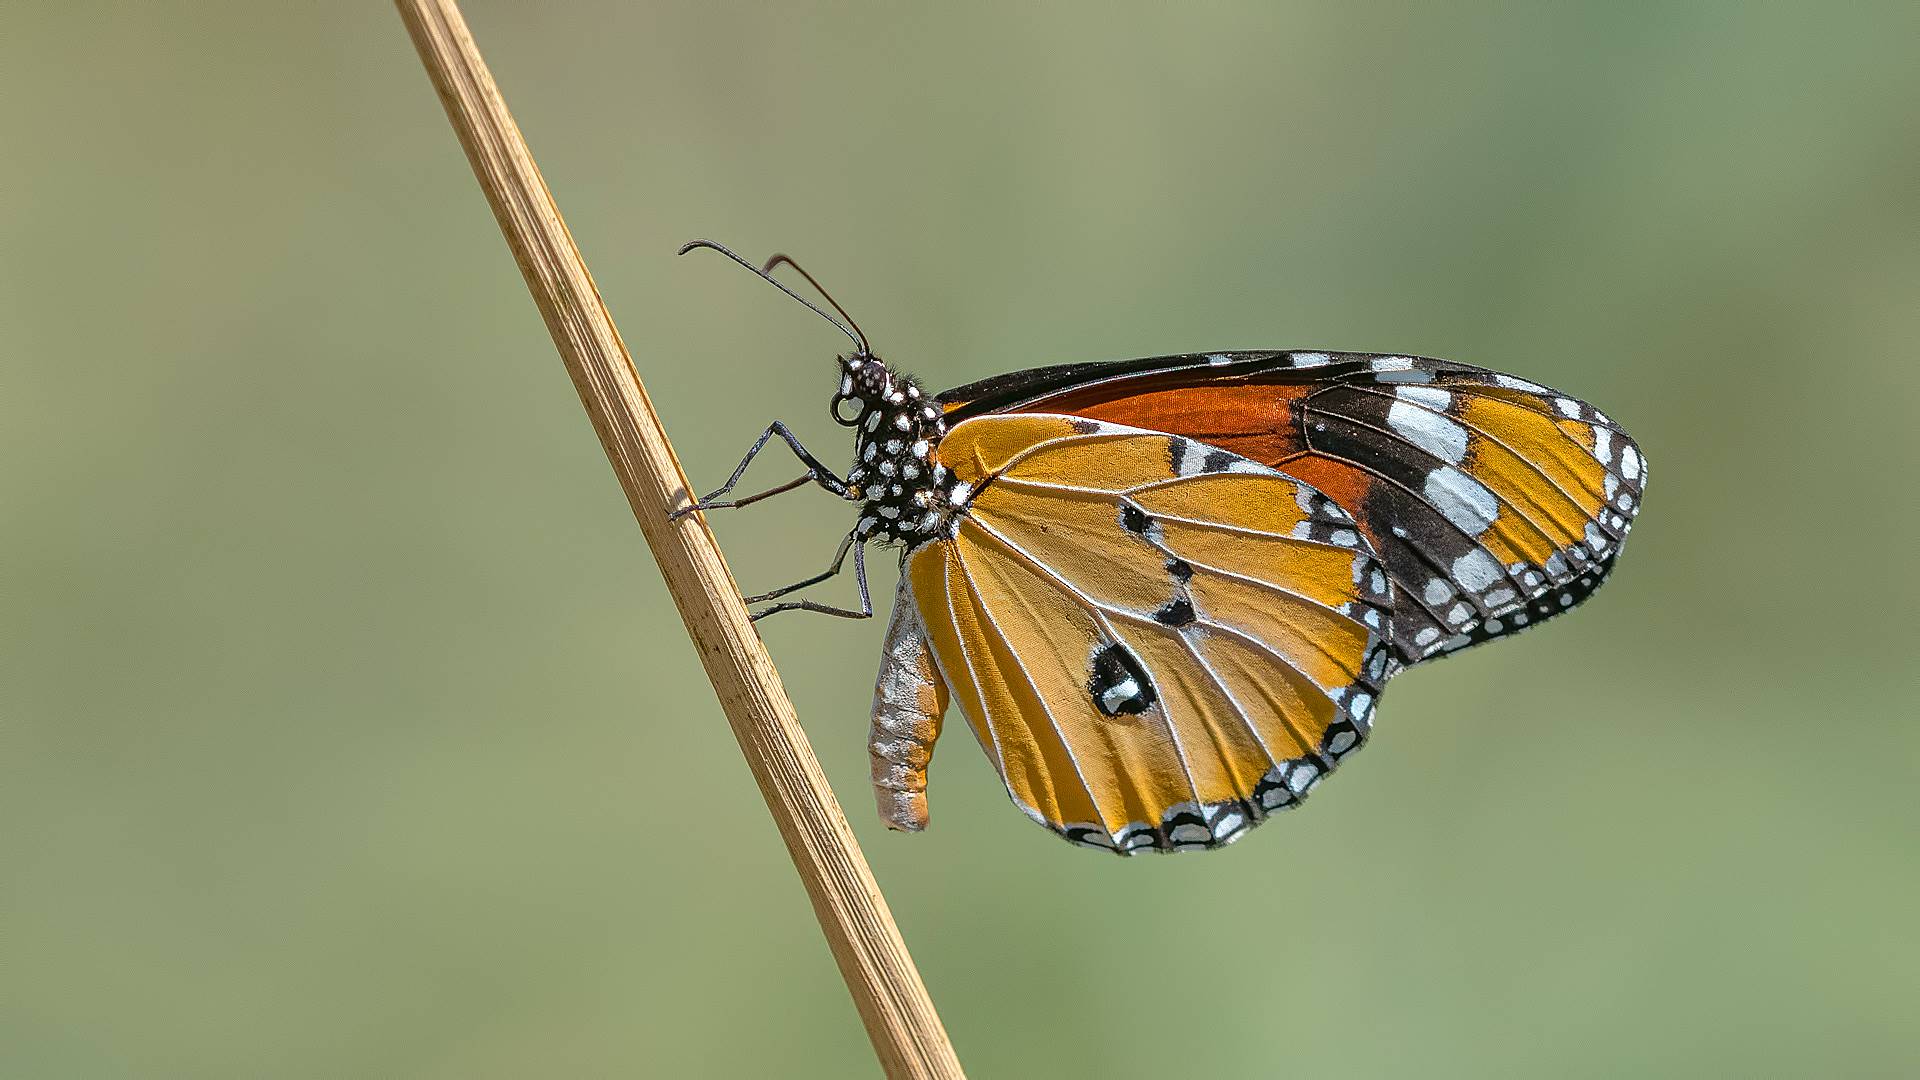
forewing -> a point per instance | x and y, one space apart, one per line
1158 643
1493 502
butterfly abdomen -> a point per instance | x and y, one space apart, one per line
909 700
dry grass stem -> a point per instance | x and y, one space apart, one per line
893 1002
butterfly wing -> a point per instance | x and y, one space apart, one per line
1156 644
1493 502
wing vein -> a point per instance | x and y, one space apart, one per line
1274 588
973 682
1239 710
1107 628
1502 444
1519 587
1132 616
1479 390
1504 501
980 605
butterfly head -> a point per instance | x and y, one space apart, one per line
907 496
865 384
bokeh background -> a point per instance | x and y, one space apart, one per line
348 730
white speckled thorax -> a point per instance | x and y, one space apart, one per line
906 497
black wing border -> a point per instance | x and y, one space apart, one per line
1009 391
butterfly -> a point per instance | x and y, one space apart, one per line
1167 593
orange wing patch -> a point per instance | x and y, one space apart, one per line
1157 643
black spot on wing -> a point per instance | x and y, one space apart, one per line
1133 519
1180 569
1179 612
1118 682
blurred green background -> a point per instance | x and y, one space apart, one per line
348 730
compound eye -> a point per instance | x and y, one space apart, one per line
842 418
870 381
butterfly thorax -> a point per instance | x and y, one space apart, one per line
906 495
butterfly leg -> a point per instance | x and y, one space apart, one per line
839 558
816 473
859 548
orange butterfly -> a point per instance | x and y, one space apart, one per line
1168 592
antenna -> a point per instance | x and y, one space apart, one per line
858 339
788 259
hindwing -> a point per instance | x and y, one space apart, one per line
1157 642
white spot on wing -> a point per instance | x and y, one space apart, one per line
1436 434
1431 396
1302 778
1463 500
1512 383
1476 570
